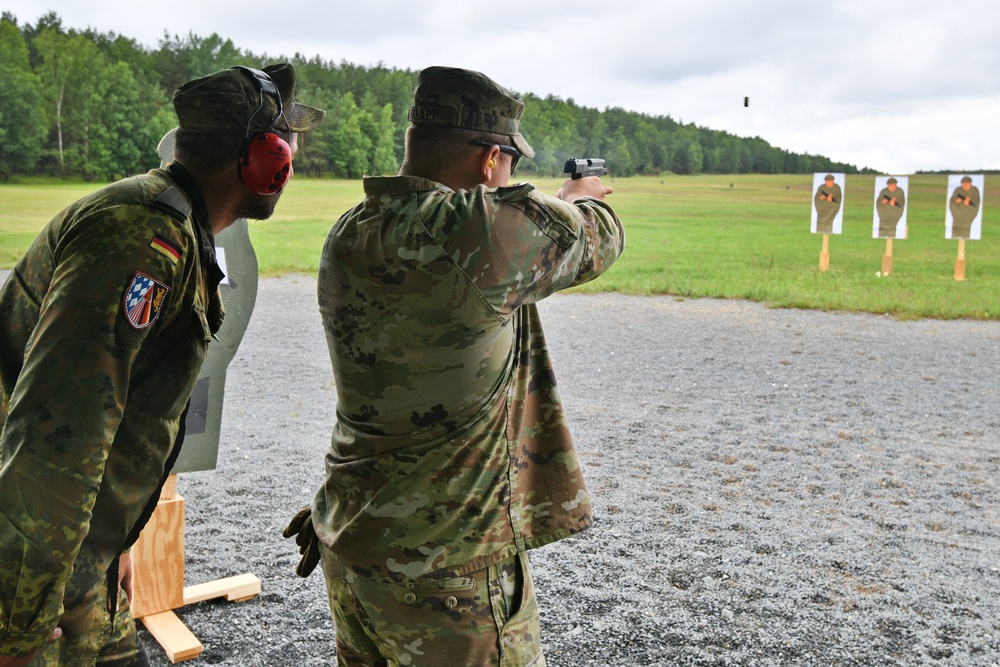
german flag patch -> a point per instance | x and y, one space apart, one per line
144 299
166 247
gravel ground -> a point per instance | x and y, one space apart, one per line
771 487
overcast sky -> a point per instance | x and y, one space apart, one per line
897 87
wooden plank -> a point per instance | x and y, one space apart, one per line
177 641
887 258
235 589
158 561
169 490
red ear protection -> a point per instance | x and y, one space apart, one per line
266 164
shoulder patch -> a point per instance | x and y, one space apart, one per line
166 247
144 298
174 202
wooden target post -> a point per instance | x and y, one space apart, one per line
887 258
960 262
824 254
158 579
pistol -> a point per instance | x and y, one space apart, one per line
588 166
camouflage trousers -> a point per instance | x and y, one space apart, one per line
489 617
91 637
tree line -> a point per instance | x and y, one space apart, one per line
93 105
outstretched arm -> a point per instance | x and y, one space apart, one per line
573 189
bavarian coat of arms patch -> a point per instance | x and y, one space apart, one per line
144 299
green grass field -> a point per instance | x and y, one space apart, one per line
687 235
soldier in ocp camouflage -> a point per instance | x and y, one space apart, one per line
451 455
104 325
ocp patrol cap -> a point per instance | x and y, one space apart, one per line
453 97
244 100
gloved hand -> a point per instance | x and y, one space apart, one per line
301 527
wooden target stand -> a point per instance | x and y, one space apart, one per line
158 579
887 258
960 261
824 254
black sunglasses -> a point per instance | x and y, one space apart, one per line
514 154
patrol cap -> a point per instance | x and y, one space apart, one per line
966 179
891 181
230 101
829 177
454 97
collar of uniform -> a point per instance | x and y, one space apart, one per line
396 185
202 223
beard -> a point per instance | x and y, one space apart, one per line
255 206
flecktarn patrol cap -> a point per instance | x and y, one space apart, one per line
231 100
455 97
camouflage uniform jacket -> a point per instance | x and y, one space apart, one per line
104 325
451 450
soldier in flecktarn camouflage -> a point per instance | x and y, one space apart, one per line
104 325
451 455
